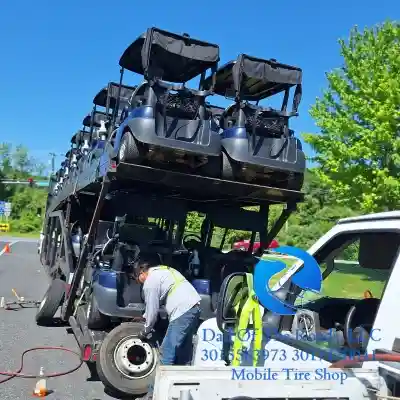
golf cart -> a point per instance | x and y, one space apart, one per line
257 144
96 122
169 124
114 99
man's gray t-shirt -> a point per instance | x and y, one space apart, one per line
155 290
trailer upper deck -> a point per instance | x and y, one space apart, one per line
169 183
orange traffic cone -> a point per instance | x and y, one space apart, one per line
40 388
7 249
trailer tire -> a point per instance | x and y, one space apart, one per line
96 320
116 380
52 300
130 150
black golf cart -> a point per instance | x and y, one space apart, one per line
257 144
114 98
167 123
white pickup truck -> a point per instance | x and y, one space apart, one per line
360 298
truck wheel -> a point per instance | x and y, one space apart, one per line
96 320
130 150
51 301
125 364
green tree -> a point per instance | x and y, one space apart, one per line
358 149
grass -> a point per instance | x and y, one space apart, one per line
346 281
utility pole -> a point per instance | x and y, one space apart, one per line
53 157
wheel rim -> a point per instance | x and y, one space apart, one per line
134 358
122 150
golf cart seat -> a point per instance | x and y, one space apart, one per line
164 114
257 144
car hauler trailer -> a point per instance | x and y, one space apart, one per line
158 153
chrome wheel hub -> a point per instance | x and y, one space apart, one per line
134 358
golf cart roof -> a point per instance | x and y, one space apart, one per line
112 90
254 78
97 117
168 56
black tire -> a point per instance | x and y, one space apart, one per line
51 302
130 150
212 168
96 320
295 181
112 378
229 169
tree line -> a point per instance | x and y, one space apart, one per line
356 167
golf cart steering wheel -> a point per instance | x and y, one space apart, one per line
358 337
188 238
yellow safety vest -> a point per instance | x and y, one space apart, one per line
178 280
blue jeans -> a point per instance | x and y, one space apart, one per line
176 348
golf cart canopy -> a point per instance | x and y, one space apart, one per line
111 91
251 78
168 56
96 117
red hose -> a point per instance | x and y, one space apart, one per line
19 373
367 357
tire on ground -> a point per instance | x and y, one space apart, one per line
51 301
108 372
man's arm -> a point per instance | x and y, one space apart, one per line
152 294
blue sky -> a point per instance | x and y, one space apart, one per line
55 56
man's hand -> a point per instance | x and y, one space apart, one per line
145 337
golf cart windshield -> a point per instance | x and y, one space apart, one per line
108 96
168 56
254 79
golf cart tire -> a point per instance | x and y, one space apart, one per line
295 181
51 302
95 319
213 167
129 149
117 383
228 168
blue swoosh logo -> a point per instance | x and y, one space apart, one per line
309 277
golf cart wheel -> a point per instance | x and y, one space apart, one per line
125 364
130 150
95 319
212 168
51 301
295 181
229 168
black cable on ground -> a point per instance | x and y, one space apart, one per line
20 374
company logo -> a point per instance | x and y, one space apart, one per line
308 278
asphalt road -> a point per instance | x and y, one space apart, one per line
22 271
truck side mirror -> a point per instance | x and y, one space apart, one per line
233 289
